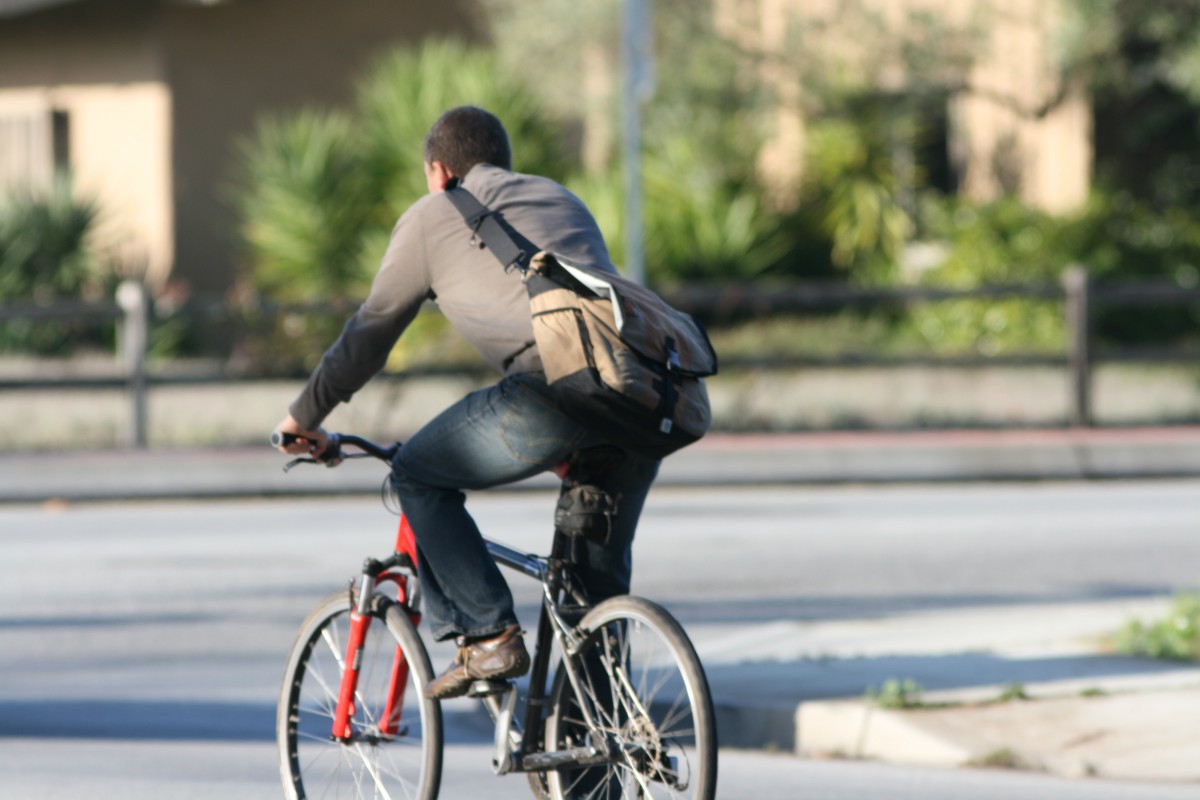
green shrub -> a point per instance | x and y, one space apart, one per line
854 183
996 244
306 207
45 257
305 211
1120 238
1114 237
698 225
407 91
1176 637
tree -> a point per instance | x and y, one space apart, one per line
1141 62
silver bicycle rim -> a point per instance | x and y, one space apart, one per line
371 765
659 714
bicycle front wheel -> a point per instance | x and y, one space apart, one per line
397 758
645 690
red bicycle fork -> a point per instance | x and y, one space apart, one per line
360 620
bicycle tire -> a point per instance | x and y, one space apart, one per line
660 718
311 762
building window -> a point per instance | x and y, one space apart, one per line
60 140
34 146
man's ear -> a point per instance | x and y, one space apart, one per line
437 176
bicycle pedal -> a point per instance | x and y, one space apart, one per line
481 689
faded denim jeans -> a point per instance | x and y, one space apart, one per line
494 436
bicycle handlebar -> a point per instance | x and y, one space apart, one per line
333 448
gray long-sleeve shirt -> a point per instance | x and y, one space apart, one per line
431 257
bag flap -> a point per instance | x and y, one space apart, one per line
644 321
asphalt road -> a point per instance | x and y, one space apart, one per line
141 644
104 770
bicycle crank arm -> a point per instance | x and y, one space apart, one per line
500 707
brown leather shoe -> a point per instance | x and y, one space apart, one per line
500 657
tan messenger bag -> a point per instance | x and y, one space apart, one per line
618 358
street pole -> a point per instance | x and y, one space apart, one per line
637 86
134 341
1077 284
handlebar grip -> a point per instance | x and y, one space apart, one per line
279 439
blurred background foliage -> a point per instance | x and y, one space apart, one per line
877 205
46 255
323 190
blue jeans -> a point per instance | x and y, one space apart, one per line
499 435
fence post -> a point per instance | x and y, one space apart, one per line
133 341
1077 285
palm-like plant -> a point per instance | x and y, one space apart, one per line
409 89
44 256
856 184
703 223
306 207
43 243
323 189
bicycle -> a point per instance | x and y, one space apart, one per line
628 711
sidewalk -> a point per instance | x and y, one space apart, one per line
797 686
752 460
1080 711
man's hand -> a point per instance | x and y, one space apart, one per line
309 443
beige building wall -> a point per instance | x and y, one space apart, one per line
120 145
95 67
156 95
762 27
1023 131
119 150
232 63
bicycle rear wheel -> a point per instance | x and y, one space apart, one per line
373 763
645 688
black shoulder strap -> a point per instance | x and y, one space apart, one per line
486 225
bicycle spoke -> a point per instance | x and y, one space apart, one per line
641 683
401 766
336 648
371 770
329 706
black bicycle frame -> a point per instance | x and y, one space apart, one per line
551 573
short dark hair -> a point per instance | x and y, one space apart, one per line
465 136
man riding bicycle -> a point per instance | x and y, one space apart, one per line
504 433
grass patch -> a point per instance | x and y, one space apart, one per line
1175 638
1001 758
1014 691
897 694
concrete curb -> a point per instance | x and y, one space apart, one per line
1080 709
1145 733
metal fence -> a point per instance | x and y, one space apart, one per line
1081 298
